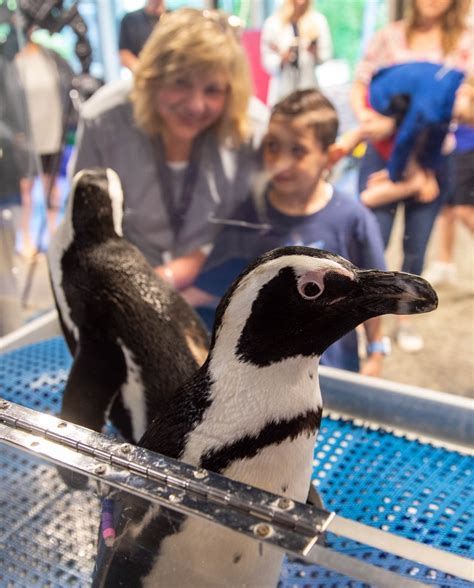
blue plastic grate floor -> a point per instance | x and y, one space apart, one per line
415 490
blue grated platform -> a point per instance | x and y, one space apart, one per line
412 489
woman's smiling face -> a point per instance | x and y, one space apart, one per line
432 9
191 103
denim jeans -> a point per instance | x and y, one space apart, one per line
419 218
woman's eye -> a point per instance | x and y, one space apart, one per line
182 83
215 90
311 289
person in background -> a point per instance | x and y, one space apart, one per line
135 29
179 137
294 40
424 100
458 209
298 207
47 80
431 30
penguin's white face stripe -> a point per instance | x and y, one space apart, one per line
116 197
240 305
133 393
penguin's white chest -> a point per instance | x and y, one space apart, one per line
282 469
204 555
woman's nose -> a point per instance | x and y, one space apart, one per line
196 102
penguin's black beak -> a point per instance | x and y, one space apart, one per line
395 293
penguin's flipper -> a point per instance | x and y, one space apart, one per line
127 510
140 528
96 375
67 333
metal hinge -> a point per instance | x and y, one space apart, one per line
275 519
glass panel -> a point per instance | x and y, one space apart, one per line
18 165
52 535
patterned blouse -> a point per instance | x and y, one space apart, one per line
389 46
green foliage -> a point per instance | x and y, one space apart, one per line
346 22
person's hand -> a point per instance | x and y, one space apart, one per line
289 56
372 366
377 177
463 110
375 126
428 188
312 48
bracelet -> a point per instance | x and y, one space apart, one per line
168 275
382 347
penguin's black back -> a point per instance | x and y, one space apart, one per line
116 297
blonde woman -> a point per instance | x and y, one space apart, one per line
294 40
179 139
434 31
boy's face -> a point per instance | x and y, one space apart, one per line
292 156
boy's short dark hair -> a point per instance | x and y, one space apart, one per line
323 120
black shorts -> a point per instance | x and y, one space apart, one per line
462 192
50 163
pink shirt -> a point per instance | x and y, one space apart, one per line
389 47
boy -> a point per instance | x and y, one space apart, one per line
299 207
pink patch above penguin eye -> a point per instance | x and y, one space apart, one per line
311 285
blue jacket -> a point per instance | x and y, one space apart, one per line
420 95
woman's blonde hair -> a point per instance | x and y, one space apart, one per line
190 42
453 22
306 28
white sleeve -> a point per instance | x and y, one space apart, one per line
324 39
269 54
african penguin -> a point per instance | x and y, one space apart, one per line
251 412
134 339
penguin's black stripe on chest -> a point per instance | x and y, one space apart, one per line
274 433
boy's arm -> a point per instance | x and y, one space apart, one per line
369 253
197 297
372 366
182 271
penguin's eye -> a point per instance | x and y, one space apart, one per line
310 286
310 290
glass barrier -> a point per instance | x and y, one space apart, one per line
143 519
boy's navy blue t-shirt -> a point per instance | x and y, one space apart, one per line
344 226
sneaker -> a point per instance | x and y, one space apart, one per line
440 273
408 339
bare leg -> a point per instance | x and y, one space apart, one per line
443 269
465 214
26 189
446 234
51 189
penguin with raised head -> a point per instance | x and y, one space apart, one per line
251 412
133 338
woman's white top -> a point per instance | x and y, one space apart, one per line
277 38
